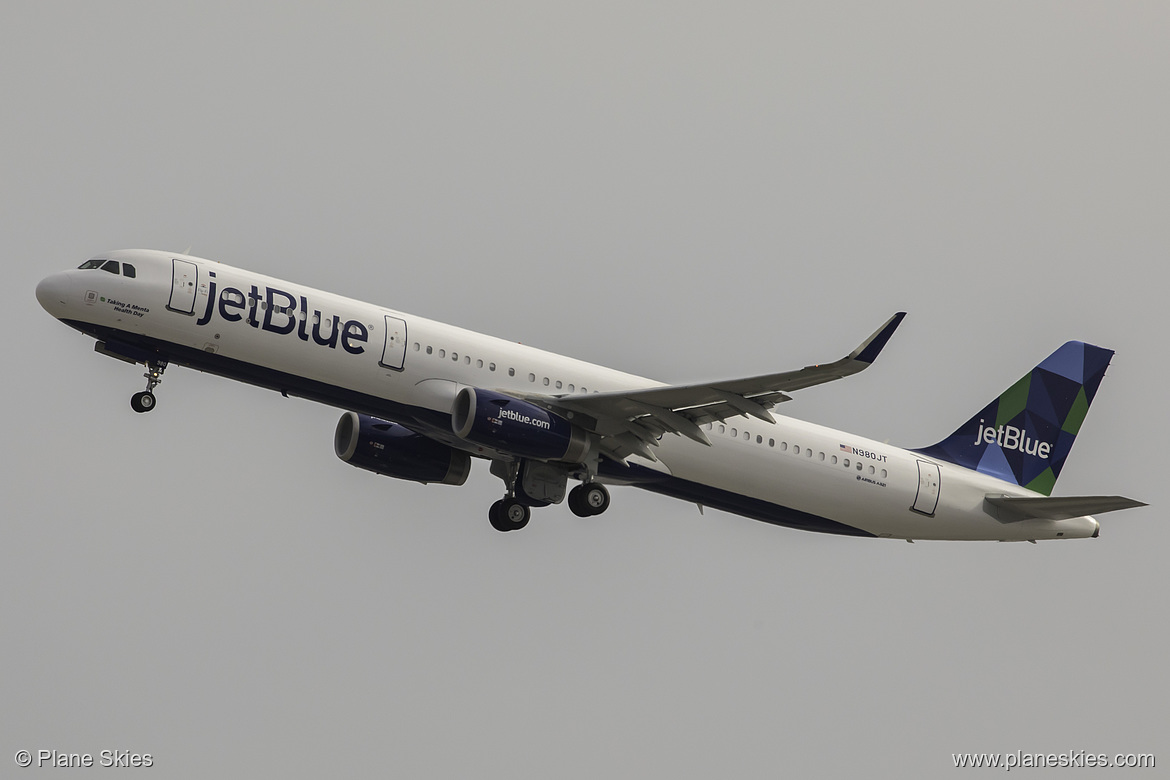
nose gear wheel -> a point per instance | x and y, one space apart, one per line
145 400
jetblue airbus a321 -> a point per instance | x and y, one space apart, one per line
422 399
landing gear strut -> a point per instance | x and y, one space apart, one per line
145 401
588 499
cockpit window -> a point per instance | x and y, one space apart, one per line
95 263
128 270
111 266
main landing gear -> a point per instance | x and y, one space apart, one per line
145 401
588 499
508 514
531 484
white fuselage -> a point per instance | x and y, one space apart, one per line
380 361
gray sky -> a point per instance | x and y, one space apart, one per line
685 191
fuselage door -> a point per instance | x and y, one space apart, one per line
928 488
394 352
184 278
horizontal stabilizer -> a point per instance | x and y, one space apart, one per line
1013 509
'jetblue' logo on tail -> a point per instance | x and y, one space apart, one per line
1009 437
1025 435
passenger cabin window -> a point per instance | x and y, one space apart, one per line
112 267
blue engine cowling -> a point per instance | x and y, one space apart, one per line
516 427
396 451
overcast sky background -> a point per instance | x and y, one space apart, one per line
680 190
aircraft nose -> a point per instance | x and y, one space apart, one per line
53 292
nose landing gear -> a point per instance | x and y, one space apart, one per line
145 401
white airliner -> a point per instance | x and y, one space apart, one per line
422 398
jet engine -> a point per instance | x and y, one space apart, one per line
516 427
393 450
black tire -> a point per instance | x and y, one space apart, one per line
588 499
496 516
142 402
577 503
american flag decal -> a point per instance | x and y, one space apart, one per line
846 448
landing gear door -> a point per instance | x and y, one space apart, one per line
394 351
184 278
928 488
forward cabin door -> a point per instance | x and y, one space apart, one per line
928 488
394 351
184 279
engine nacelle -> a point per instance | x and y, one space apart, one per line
516 427
393 450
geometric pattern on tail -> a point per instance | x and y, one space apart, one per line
1025 435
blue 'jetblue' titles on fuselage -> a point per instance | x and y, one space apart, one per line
280 316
